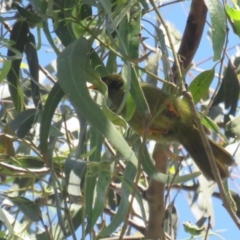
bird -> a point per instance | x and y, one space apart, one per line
171 121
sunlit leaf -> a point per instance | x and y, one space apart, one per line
72 78
201 84
219 28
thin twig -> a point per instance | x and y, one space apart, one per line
208 228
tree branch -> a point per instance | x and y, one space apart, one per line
192 35
155 197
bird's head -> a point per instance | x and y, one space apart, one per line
114 83
116 88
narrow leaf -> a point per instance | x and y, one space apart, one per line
200 85
5 69
19 37
23 122
54 98
129 173
31 17
32 59
28 207
219 28
95 141
72 78
234 18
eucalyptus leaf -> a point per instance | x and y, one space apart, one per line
218 32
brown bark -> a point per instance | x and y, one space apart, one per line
155 197
192 35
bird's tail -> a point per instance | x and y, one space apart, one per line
197 151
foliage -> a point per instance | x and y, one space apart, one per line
70 167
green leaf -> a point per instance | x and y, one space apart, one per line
62 27
19 36
129 173
31 17
95 142
193 229
32 59
152 67
230 84
200 85
23 122
40 6
164 50
209 123
171 220
5 69
54 97
219 28
97 64
72 78
129 30
104 180
130 185
28 207
234 18
75 171
81 12
6 221
49 37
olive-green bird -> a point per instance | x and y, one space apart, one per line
172 121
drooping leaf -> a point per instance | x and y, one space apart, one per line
210 124
229 89
152 67
5 69
129 173
54 98
40 6
72 78
104 180
19 37
30 17
96 141
23 122
81 13
129 30
32 59
219 28
75 171
171 220
28 207
61 25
